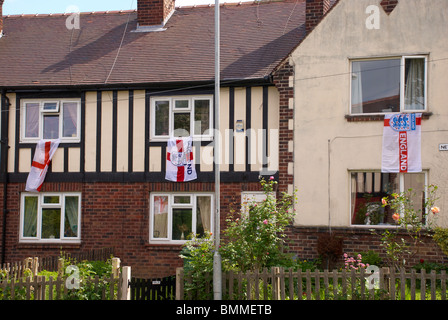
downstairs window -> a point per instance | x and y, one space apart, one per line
175 216
369 187
51 217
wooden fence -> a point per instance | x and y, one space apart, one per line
41 288
34 265
22 280
281 284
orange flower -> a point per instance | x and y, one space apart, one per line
435 210
396 216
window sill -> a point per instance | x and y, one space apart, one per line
376 117
48 244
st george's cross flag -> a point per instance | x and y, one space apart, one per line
179 160
402 143
45 150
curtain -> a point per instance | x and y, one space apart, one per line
354 190
356 88
30 217
71 217
160 210
32 120
70 118
415 84
204 212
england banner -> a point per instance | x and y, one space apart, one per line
39 167
179 160
402 143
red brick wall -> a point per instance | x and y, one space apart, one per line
303 243
389 5
281 81
115 215
153 12
315 9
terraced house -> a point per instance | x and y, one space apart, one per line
115 88
365 62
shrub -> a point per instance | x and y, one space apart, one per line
256 239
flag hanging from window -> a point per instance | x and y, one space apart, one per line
43 154
402 143
179 160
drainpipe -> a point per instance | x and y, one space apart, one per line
5 103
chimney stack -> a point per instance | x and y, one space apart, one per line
1 18
315 10
154 13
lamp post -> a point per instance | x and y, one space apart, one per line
217 277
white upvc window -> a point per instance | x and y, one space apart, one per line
369 187
50 217
174 216
50 119
385 85
182 116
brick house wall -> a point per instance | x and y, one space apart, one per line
282 80
116 215
303 242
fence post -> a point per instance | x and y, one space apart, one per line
61 270
276 283
125 278
179 283
116 267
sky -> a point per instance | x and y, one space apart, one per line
61 6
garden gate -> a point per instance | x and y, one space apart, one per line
153 289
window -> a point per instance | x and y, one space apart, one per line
388 85
249 198
175 216
52 217
181 117
50 119
369 187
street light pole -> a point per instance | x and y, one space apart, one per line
217 277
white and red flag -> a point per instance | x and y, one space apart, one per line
402 143
179 160
45 150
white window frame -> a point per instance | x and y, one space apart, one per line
171 205
41 205
401 188
402 80
42 113
191 109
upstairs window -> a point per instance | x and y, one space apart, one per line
181 117
50 119
388 85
